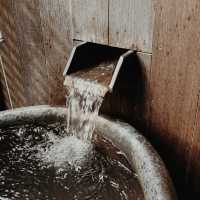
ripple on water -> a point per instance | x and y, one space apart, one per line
42 162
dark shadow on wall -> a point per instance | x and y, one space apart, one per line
128 100
173 153
2 99
130 103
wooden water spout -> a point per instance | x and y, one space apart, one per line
120 70
97 62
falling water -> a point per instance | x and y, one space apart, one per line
83 102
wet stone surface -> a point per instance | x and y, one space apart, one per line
42 162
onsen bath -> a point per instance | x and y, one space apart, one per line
124 165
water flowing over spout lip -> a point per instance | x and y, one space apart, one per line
90 55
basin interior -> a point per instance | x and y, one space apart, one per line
29 169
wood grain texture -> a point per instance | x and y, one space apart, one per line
55 23
3 89
175 83
193 164
29 32
90 20
144 21
131 24
37 45
10 57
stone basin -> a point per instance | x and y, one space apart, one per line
152 173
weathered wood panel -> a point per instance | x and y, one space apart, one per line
193 164
29 32
10 57
3 89
144 21
90 20
37 44
55 23
175 83
131 24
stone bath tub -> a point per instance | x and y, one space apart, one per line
152 174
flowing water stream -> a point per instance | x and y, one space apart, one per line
66 161
83 102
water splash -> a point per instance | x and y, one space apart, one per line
34 164
83 102
2 198
65 152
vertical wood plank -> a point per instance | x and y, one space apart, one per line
131 24
193 164
3 90
10 56
29 33
122 23
90 20
144 20
175 82
56 28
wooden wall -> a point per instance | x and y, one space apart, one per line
175 87
36 48
38 38
127 24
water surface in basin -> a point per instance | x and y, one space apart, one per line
41 162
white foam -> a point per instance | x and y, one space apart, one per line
83 102
65 151
3 198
